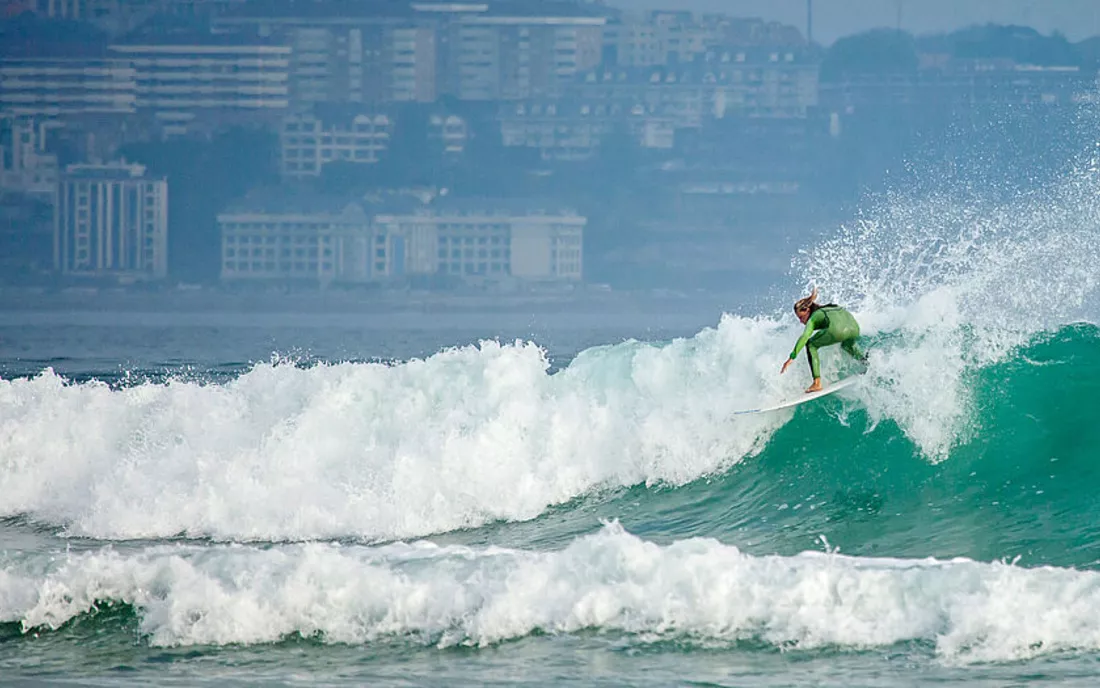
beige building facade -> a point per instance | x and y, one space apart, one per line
354 242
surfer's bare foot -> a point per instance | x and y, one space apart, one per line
815 387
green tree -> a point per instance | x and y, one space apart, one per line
203 177
880 51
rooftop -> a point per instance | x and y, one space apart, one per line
286 200
302 200
118 170
342 114
392 10
166 30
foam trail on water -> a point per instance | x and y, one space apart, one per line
464 437
695 590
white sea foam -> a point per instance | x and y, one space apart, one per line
695 590
461 438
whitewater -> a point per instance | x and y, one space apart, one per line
499 512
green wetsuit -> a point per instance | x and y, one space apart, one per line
836 325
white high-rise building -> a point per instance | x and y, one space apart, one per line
111 221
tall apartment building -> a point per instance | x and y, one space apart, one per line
363 63
111 221
308 141
676 37
179 77
346 52
413 52
61 86
497 55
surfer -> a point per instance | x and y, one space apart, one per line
835 325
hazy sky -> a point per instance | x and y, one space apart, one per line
1077 19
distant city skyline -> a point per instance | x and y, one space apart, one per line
1077 19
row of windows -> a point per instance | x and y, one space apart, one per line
82 258
84 239
296 156
467 226
469 253
271 266
270 253
353 138
233 235
482 268
566 254
471 241
316 127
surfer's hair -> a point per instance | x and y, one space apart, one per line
807 304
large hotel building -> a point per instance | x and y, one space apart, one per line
325 241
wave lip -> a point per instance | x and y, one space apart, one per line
694 590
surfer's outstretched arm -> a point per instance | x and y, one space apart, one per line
806 334
811 325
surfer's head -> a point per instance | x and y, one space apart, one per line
804 307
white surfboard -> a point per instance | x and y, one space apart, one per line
804 397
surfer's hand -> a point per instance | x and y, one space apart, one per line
786 364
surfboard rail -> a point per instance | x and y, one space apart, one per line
804 397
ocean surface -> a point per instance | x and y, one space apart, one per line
223 498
